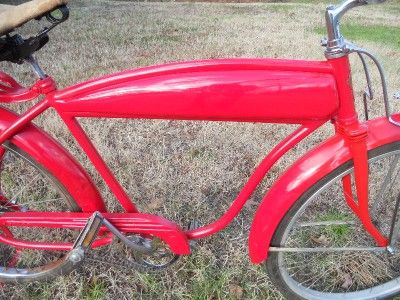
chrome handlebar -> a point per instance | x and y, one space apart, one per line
335 43
337 46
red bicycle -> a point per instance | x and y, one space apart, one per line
329 226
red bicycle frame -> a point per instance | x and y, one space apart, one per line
308 93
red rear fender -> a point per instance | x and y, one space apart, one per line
314 165
53 157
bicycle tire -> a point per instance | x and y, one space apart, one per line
32 265
337 275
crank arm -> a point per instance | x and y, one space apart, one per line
72 260
89 234
93 226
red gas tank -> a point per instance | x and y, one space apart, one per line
248 90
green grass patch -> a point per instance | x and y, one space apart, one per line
160 38
337 233
210 285
382 34
38 291
151 284
327 2
95 291
393 9
258 9
279 8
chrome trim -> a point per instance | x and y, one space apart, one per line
368 93
335 44
350 48
395 226
326 223
65 265
333 14
35 66
328 249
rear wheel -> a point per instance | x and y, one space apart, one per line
321 219
26 186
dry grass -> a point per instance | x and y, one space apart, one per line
348 271
184 170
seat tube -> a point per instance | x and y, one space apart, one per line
355 135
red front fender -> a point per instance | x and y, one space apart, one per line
301 176
46 151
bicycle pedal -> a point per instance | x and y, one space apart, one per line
193 224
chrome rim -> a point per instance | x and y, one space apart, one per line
25 186
325 221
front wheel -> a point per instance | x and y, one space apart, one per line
321 219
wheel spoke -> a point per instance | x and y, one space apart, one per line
326 223
14 198
41 202
328 249
383 189
23 183
325 249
